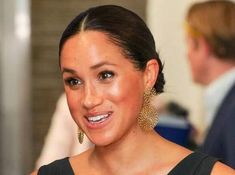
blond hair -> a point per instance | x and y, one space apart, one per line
215 21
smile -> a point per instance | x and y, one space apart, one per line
98 118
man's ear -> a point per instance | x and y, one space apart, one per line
151 73
203 46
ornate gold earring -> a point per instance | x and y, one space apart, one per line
148 116
80 136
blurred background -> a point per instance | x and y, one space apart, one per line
30 81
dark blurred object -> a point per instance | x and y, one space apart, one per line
174 125
179 111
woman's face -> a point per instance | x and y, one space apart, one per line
104 90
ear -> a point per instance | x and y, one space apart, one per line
203 46
151 73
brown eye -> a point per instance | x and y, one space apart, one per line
106 75
73 82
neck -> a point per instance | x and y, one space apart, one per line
217 68
125 154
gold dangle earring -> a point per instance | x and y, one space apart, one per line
148 116
80 136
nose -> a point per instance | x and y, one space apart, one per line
91 98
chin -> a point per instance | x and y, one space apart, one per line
102 141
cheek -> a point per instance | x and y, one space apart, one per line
71 100
190 61
191 57
189 48
73 103
126 96
189 52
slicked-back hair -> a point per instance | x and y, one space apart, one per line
125 29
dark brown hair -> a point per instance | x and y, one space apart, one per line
125 29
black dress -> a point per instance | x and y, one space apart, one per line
194 164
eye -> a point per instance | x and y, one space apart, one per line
105 75
73 82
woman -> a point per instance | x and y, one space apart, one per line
111 70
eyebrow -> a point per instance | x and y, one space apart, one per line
102 64
96 66
68 70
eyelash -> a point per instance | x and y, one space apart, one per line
73 82
105 75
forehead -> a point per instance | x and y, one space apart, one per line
92 47
89 41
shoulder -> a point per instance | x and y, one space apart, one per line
222 169
228 103
195 163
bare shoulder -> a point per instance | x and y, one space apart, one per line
176 150
34 173
222 169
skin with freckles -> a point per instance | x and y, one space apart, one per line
97 80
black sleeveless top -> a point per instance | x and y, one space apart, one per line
194 164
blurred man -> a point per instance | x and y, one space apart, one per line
211 52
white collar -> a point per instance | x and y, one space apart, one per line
216 92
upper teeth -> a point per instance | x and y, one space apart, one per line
97 118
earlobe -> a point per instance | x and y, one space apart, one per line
151 73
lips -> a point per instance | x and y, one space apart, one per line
98 120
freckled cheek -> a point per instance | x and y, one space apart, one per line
123 94
73 99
